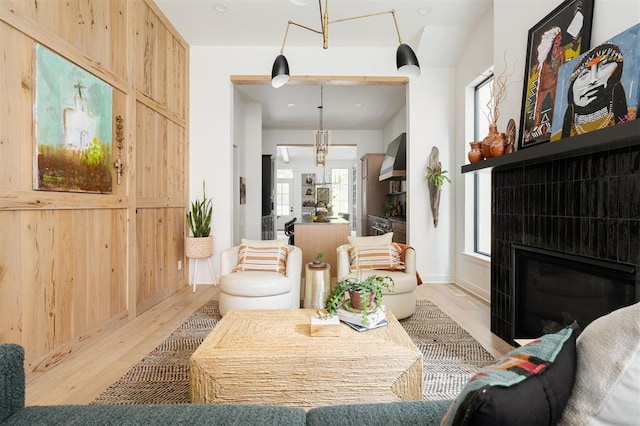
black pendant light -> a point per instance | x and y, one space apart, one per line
407 61
280 72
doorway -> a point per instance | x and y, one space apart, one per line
360 112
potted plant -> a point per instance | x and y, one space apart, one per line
365 295
389 207
200 244
318 259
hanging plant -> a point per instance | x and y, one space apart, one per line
437 177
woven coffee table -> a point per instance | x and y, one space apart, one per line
268 357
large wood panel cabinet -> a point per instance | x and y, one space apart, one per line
74 265
372 191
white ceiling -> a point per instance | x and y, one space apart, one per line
263 23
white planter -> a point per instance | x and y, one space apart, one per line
198 248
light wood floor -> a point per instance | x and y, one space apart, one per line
91 370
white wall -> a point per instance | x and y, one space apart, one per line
395 127
429 108
472 271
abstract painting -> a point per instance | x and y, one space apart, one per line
72 125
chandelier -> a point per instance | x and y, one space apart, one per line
406 60
321 137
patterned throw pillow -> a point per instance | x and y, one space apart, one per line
529 385
385 257
371 240
271 259
265 243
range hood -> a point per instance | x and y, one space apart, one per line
394 165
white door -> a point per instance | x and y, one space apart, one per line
284 202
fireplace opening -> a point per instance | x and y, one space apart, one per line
553 289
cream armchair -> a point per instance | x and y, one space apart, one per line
259 289
402 301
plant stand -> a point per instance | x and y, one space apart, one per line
195 271
196 249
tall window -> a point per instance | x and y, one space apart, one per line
340 190
283 192
482 179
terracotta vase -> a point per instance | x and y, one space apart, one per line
486 142
498 145
359 302
475 154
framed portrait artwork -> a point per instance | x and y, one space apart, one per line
324 195
599 88
562 35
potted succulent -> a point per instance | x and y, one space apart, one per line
318 259
365 295
200 244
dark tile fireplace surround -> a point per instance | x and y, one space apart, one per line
579 199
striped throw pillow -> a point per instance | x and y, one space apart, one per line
385 257
251 258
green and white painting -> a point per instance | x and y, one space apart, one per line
73 127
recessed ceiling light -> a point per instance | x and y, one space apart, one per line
291 105
424 10
221 8
358 105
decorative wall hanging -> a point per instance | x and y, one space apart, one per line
119 164
73 127
563 34
436 177
243 190
599 88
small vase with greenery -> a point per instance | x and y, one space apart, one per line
365 295
318 259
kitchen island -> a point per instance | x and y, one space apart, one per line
313 237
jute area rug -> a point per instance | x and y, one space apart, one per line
451 357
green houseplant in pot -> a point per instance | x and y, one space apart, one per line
200 244
365 295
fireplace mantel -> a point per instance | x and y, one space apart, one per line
576 196
618 136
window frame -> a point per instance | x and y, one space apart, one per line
476 177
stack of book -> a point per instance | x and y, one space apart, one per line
353 319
